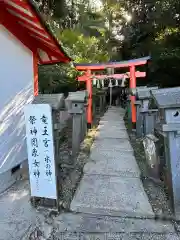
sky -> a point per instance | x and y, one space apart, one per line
97 4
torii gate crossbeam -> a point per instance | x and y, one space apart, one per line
121 75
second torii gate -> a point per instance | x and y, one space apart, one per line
88 77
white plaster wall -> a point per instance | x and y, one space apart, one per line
16 90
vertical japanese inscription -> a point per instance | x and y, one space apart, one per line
34 145
41 159
46 141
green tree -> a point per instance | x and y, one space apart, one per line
154 30
83 49
83 37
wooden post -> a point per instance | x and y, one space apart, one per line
133 98
89 90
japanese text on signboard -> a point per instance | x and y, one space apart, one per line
40 149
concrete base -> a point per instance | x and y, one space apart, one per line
115 236
16 213
89 223
114 196
7 180
9 177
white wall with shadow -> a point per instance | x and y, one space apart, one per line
12 131
16 90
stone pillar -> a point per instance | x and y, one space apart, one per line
77 130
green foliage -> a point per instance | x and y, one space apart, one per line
166 56
91 35
154 30
83 49
57 78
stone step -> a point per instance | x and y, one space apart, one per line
111 129
111 109
124 167
110 133
107 144
113 123
101 154
109 125
113 196
115 108
88 223
106 158
114 114
115 111
112 119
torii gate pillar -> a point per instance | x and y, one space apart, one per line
133 98
89 90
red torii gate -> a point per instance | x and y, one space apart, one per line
88 77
